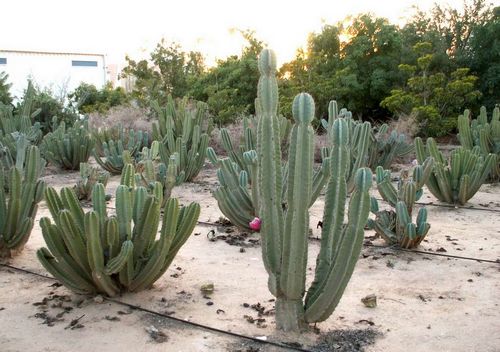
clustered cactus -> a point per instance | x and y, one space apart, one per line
456 180
386 147
89 176
96 252
19 200
237 195
183 131
130 139
116 157
395 226
68 147
481 133
11 126
285 231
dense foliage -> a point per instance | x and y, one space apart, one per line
86 98
432 68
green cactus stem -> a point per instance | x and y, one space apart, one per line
285 228
97 252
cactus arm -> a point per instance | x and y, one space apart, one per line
73 238
147 227
270 210
322 302
299 194
116 263
96 257
124 211
64 273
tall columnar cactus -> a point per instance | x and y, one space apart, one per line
95 252
68 147
184 131
89 176
359 139
395 226
456 180
285 230
482 133
19 205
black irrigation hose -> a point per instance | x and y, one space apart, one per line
206 327
450 206
193 324
395 248
432 253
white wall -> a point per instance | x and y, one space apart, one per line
51 70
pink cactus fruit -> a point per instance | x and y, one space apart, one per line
255 224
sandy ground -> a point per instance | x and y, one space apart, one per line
425 302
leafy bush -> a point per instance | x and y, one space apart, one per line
87 98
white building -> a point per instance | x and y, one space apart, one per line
60 72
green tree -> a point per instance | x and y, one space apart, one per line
483 57
170 71
86 98
357 72
435 98
229 88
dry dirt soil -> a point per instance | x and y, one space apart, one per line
424 302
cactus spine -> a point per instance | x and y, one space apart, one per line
285 230
18 207
95 252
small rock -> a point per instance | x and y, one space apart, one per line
370 301
157 335
207 288
98 299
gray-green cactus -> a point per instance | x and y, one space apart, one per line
235 150
385 147
148 174
19 205
359 139
89 176
456 180
68 147
131 140
183 130
285 230
237 195
95 252
395 226
17 160
20 124
116 157
482 133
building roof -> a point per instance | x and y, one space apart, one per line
47 52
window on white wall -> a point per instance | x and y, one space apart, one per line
3 61
83 63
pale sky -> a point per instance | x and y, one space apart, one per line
115 28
